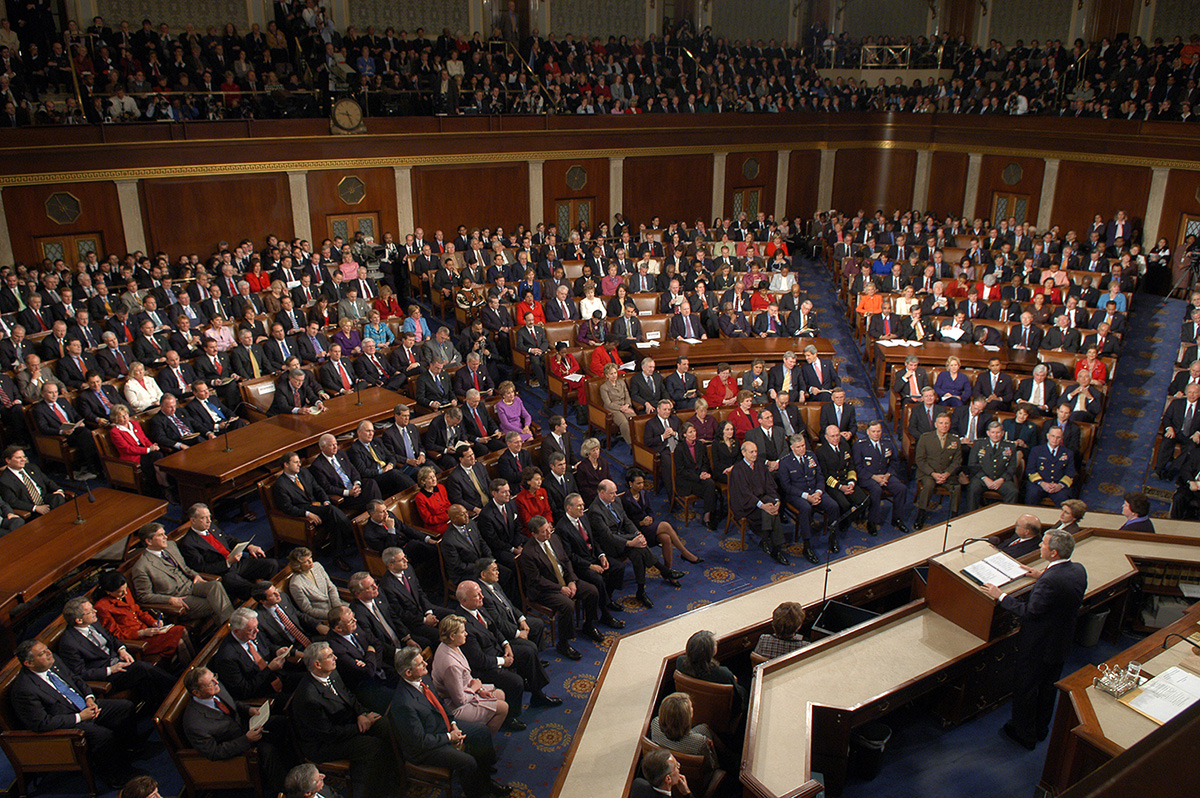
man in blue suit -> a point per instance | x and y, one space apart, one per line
802 483
1047 614
877 463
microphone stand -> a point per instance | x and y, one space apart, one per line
946 537
829 552
358 388
962 549
79 519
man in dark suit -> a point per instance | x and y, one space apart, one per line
909 383
280 623
627 332
558 439
72 368
92 653
508 617
1039 392
336 725
877 465
433 387
46 696
550 579
969 422
561 307
753 495
218 727
375 460
52 414
278 348
836 456
337 476
24 487
840 414
681 385
208 550
685 324
362 658
446 440
478 424
559 482
587 556
313 346
660 776
472 376
170 428
820 376
248 667
1047 615
771 441
403 439
467 484
96 400
1026 536
1025 336
994 387
513 459
500 524
427 737
294 395
207 414
150 347
337 373
620 538
175 377
298 494
646 388
406 606
1180 426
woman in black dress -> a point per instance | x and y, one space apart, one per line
591 471
636 503
693 474
725 452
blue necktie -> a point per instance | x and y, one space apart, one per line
216 411
345 479
614 513
67 691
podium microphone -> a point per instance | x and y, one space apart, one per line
829 553
963 547
358 388
79 519
946 537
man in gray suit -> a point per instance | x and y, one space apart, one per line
532 340
161 576
440 346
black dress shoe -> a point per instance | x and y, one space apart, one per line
496 788
872 529
779 557
592 633
543 700
833 545
673 582
614 606
1011 732
675 573
514 724
696 561
568 651
904 528
811 555
612 623
765 546
920 520
646 602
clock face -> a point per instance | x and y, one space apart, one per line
347 114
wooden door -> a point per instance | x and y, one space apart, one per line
572 214
1182 277
1110 17
346 225
70 249
747 201
1005 205
958 19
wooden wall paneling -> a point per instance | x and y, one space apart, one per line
1183 196
673 187
947 183
873 179
1110 17
804 176
1085 189
736 166
99 212
554 187
194 214
992 179
958 18
477 195
379 196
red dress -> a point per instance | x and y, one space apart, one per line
760 302
567 364
1099 371
124 618
601 357
531 504
434 509
259 282
717 391
539 313
742 423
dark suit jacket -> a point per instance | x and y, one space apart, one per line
162 431
611 533
270 630
215 735
500 535
460 554
202 557
749 486
1002 386
829 376
86 659
461 490
239 361
407 607
167 381
538 573
199 419
145 351
582 553
239 674
1015 547
40 707
641 393
284 401
828 416
510 466
430 390
676 330
483 647
12 489
331 378
328 718
348 655
1047 612
290 500
420 728
71 374
308 352
1049 392
367 371
90 408
45 419
1015 337
328 478
464 381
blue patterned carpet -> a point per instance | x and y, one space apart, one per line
968 760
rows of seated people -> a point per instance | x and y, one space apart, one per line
153 72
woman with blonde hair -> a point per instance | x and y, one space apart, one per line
311 588
466 697
614 394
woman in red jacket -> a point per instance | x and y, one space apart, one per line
722 389
432 503
132 443
533 499
563 363
121 615
743 418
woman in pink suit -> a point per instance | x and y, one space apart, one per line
466 697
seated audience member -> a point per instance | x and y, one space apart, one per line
361 658
248 666
374 459
24 487
635 501
126 621
620 538
753 495
784 636
47 696
207 549
1180 426
939 461
1051 470
54 417
1026 536
1136 509
550 579
432 501
672 729
279 622
337 726
693 474
94 654
310 586
466 697
699 661
660 776
161 576
217 726
992 465
297 493
412 613
427 737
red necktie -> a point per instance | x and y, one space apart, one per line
436 704
582 531
154 343
120 359
58 411
221 705
290 627
296 401
475 375
887 325
345 376
217 544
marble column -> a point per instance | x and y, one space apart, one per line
1049 186
718 185
536 194
783 160
404 202
616 186
825 181
298 192
921 181
974 162
1151 227
131 215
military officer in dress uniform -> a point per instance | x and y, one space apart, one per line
992 466
878 465
803 488
939 460
1051 470
841 480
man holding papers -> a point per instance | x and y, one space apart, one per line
208 550
1047 614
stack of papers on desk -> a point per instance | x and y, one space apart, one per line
1164 696
690 340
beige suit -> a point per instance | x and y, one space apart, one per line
157 581
614 398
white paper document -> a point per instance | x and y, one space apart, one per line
690 340
264 715
645 345
572 377
953 333
998 570
1166 695
238 549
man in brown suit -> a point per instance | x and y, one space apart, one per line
752 494
939 462
550 579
